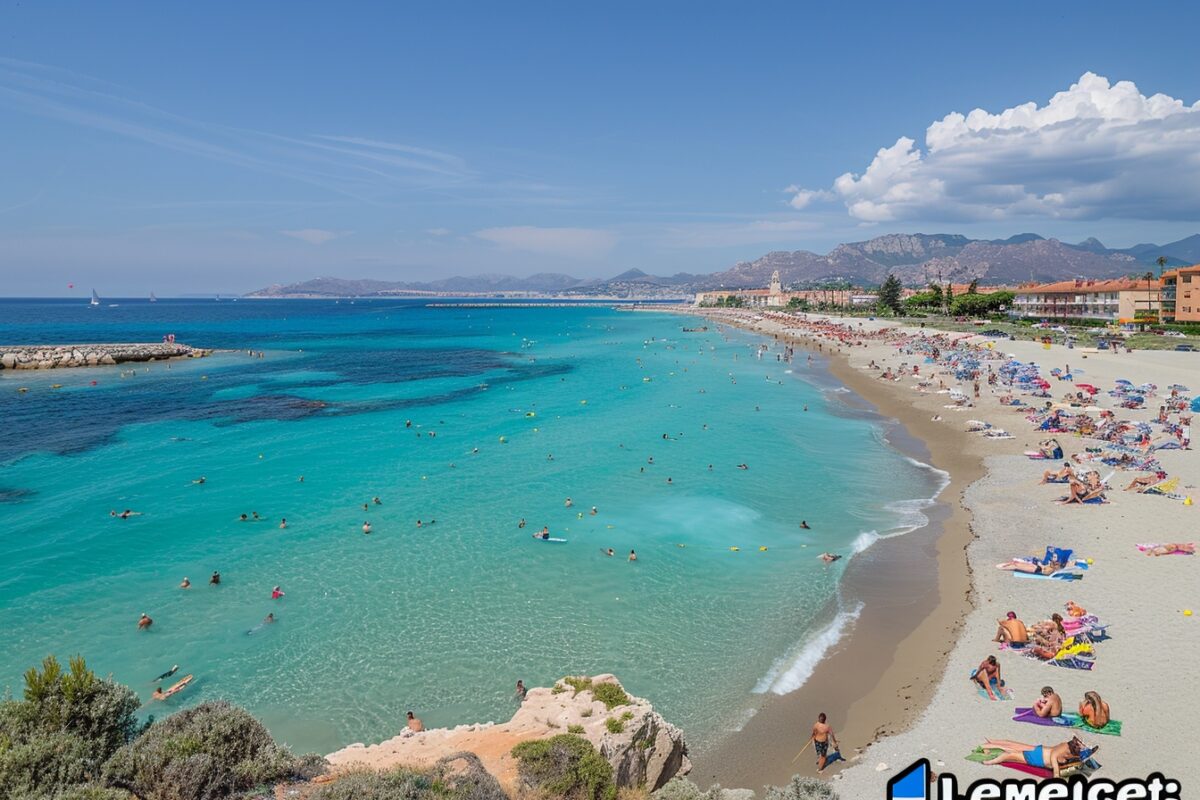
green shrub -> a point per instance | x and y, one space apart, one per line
577 729
463 775
558 688
209 751
800 788
93 792
587 712
611 694
683 789
44 764
578 683
628 715
614 725
565 766
367 784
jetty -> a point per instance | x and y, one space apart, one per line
57 356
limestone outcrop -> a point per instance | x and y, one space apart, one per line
91 355
644 749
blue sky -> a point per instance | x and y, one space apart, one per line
223 147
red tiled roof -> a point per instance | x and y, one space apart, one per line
1091 286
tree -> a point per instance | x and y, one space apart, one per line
974 287
1162 264
798 303
935 289
889 293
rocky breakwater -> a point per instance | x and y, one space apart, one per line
90 355
643 748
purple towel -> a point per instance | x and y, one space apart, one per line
1029 715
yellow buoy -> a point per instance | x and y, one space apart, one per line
1090 562
735 549
762 549
1187 612
1187 501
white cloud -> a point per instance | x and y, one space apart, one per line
570 242
439 231
315 235
1095 151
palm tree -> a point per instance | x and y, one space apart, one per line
1162 264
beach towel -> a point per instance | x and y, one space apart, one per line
1001 691
1030 716
980 755
1061 575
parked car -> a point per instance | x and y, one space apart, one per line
1174 334
1186 348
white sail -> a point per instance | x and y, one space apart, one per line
95 298
153 299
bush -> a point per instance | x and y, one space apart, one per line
683 789
611 694
565 766
209 751
614 725
93 792
578 683
367 784
44 764
574 729
802 789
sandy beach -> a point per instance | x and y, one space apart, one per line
895 699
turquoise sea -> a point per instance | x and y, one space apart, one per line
475 418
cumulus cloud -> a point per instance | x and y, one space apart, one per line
569 242
314 235
1095 151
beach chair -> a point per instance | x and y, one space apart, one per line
1165 489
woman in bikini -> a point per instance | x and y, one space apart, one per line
1094 710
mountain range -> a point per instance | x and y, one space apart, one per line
916 258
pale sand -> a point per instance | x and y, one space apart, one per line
1139 671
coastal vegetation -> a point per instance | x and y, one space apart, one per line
798 788
74 735
565 766
460 776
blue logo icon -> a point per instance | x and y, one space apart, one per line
910 784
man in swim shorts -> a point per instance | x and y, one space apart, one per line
145 622
1012 631
822 735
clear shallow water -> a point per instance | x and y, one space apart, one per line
442 619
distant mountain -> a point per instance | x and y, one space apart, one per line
916 258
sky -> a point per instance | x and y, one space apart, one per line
221 147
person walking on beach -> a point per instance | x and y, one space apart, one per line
822 736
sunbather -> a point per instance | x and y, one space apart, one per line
1011 631
1059 476
1181 548
1144 482
1094 710
989 672
1049 704
1052 757
1018 565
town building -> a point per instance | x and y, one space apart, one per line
775 296
1181 294
1122 300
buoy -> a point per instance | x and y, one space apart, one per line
735 549
583 402
1187 612
503 439
762 549
260 455
423 477
529 414
1187 501
1090 562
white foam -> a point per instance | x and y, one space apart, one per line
863 541
791 672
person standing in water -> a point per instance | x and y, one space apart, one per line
521 691
186 584
632 556
215 580
366 527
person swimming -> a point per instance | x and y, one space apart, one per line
283 523
632 556
215 579
569 502
829 558
521 524
593 512
366 528
377 501
144 622
804 525
200 480
185 583
276 593
609 552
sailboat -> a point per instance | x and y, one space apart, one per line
95 299
153 299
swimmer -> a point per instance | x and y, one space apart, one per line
185 583
806 407
255 515
366 527
283 523
593 512
200 480
276 593
269 618
521 524
301 479
609 552
632 556
215 579
569 502
829 558
377 501
521 691
743 466
670 481
549 456
804 525
710 467
418 523
145 622
366 506
243 518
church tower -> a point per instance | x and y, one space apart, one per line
776 285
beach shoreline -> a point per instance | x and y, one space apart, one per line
867 697
889 724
